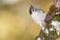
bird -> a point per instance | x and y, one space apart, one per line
38 16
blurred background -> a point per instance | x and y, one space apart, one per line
15 21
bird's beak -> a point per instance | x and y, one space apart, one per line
30 10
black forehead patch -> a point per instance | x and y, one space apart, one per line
30 12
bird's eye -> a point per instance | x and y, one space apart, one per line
33 10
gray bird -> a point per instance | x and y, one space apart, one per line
38 15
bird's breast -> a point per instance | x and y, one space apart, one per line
37 19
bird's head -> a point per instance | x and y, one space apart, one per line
34 10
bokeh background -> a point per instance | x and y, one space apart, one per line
16 23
